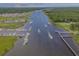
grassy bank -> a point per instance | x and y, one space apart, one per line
67 27
6 43
67 19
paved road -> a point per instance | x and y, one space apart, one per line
42 39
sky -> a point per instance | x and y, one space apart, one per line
39 4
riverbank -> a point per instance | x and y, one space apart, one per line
66 19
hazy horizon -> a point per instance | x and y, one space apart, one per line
39 4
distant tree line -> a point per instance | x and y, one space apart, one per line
67 16
15 10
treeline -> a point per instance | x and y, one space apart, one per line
64 15
16 10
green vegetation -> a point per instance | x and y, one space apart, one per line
3 18
65 26
16 10
4 24
18 14
14 25
6 43
63 15
11 25
67 19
